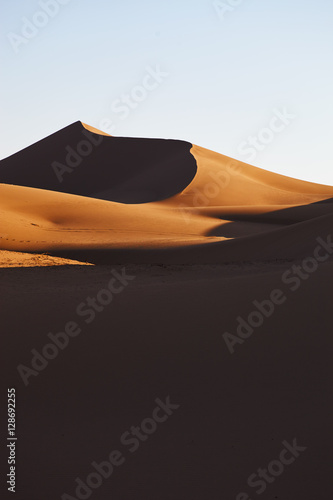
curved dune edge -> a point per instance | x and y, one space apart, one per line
228 211
94 130
223 181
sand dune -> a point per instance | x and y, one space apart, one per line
163 201
205 240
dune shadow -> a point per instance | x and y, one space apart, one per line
124 170
248 224
239 229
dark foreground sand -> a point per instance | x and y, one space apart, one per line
163 336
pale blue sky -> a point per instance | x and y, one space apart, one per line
224 77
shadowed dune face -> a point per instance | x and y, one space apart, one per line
153 201
77 161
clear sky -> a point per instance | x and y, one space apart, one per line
220 75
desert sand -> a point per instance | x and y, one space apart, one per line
189 201
203 239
